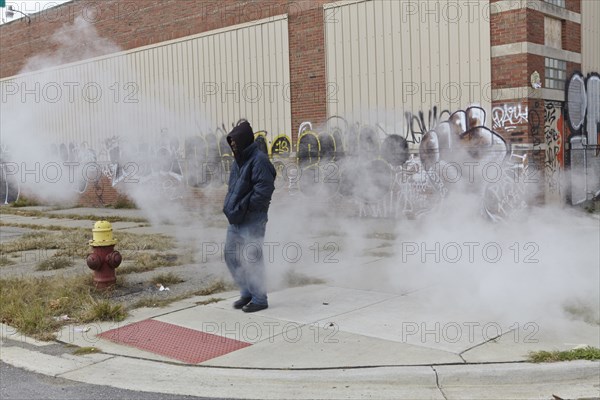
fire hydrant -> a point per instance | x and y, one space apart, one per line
104 259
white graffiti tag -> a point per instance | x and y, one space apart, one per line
507 116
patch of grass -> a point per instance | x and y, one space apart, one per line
381 235
31 304
69 243
54 262
73 242
134 269
591 206
157 302
329 233
32 241
5 261
138 242
160 302
295 279
186 256
586 353
23 201
74 216
209 301
375 253
586 312
23 213
166 279
37 226
94 218
217 286
81 351
104 310
143 262
124 202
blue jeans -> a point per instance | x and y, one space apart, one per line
244 257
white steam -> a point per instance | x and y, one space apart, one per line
549 256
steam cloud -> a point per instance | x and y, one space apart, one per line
562 245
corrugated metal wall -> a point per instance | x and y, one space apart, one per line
178 88
399 55
590 36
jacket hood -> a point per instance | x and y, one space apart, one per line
243 136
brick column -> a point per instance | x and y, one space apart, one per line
307 66
520 46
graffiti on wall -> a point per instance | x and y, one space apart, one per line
387 178
583 119
593 109
417 126
509 116
9 184
382 174
583 106
169 165
554 162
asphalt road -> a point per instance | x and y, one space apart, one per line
16 383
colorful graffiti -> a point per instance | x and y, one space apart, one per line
384 175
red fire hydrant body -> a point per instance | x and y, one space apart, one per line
104 259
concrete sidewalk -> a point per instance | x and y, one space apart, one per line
323 341
314 342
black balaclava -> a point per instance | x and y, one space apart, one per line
243 136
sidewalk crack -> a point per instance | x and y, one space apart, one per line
485 342
437 383
86 366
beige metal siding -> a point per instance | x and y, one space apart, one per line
590 36
167 89
390 56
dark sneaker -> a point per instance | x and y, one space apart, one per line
252 307
241 302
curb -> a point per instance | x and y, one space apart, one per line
444 382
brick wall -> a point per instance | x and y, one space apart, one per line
134 23
509 71
307 67
535 63
508 27
571 36
535 27
573 5
99 194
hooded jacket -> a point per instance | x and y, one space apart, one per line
251 180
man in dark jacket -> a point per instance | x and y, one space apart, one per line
251 185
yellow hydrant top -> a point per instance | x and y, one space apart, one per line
102 234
